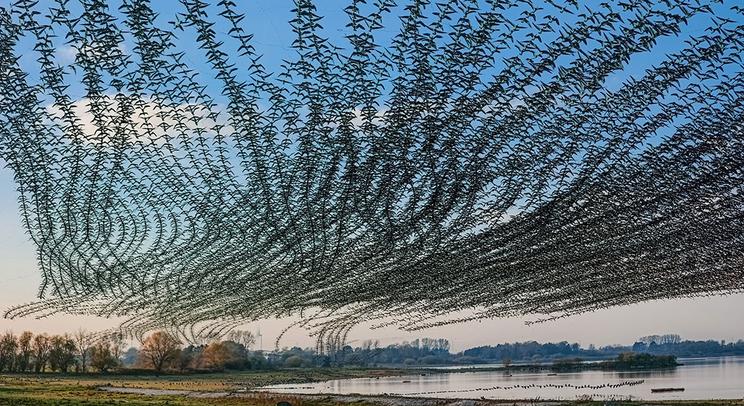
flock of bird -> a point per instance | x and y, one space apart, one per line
535 386
437 162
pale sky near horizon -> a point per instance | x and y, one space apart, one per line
717 317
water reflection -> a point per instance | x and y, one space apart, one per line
702 378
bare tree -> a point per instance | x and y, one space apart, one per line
25 350
83 344
244 337
61 352
116 344
159 349
8 348
102 355
41 347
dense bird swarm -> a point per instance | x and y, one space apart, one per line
504 157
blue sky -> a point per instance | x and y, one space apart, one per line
715 317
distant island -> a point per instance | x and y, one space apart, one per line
628 361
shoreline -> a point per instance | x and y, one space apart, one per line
398 400
255 389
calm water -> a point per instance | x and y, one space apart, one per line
702 378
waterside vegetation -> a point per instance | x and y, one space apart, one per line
159 353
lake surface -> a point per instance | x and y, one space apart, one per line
702 378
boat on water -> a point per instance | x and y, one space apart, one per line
656 390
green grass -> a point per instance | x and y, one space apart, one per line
214 382
73 390
67 394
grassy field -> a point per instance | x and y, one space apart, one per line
84 389
227 389
214 382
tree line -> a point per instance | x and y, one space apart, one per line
79 352
667 344
536 352
691 348
83 352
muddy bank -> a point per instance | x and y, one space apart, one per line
383 400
